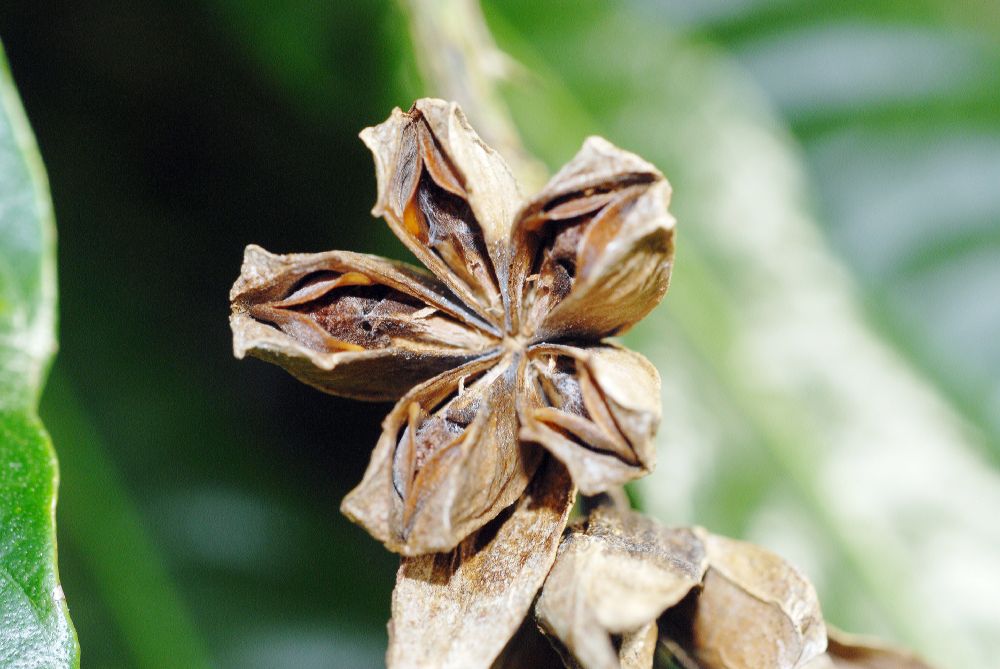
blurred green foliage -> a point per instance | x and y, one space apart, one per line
198 508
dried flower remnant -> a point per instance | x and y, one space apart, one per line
500 348
754 610
626 593
350 324
496 356
616 573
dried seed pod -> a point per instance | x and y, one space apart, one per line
447 463
616 573
460 447
622 584
596 409
350 324
755 611
594 249
448 197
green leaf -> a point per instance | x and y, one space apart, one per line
35 629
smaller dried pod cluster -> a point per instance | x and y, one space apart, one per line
628 593
509 400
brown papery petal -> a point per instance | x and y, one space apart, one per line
593 250
448 461
449 198
351 324
616 574
850 651
755 611
596 409
457 610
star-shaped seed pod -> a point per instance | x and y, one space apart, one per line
510 398
498 355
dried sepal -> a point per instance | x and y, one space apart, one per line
638 648
449 197
596 409
448 461
755 611
457 610
593 250
851 651
616 573
350 324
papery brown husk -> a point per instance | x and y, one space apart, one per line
755 611
601 425
617 204
616 572
380 373
435 140
458 610
727 604
464 483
